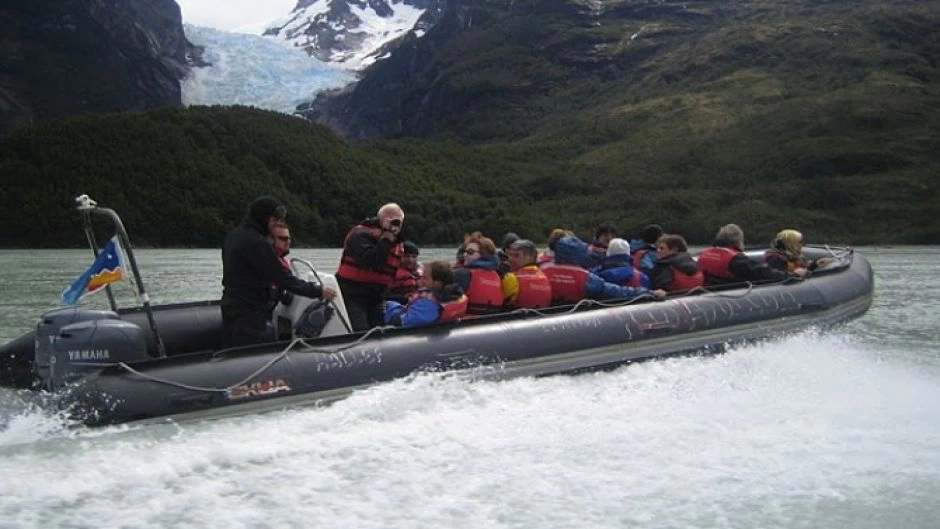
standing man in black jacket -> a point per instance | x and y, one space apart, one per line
249 268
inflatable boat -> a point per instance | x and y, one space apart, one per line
159 362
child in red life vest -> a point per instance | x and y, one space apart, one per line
407 277
440 298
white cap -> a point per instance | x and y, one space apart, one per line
618 247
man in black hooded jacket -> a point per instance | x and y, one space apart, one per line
249 268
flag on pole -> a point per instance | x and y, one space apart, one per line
107 268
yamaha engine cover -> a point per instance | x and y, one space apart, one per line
89 346
49 327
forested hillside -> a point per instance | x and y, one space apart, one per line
185 177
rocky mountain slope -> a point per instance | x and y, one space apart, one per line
61 58
493 69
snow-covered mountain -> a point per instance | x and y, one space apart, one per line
252 70
352 33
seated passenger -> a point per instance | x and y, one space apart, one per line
597 250
478 277
503 253
618 266
572 283
549 255
438 299
406 277
786 253
525 286
644 248
675 269
726 262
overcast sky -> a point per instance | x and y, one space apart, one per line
234 15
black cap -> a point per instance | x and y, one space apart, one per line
508 239
604 229
266 207
651 233
411 248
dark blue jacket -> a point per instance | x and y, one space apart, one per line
573 251
618 269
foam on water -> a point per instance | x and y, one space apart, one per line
809 431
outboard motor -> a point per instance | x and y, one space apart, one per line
98 339
48 330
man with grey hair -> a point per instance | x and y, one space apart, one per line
725 262
372 253
525 286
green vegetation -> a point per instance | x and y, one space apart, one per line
824 116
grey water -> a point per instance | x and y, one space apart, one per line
835 429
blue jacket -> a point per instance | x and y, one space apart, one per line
649 259
619 269
421 310
573 251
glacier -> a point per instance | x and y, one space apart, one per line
254 70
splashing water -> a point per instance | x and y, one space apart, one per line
810 431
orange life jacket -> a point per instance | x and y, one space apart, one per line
404 282
683 281
450 310
485 292
535 289
716 262
569 282
350 269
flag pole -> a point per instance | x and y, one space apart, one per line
86 206
90 235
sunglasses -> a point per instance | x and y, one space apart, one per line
280 212
395 222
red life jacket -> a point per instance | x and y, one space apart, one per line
485 291
638 258
450 310
683 281
569 282
349 268
535 289
636 280
405 281
716 262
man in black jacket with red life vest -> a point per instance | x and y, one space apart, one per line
249 268
372 253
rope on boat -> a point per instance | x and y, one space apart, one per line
277 358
